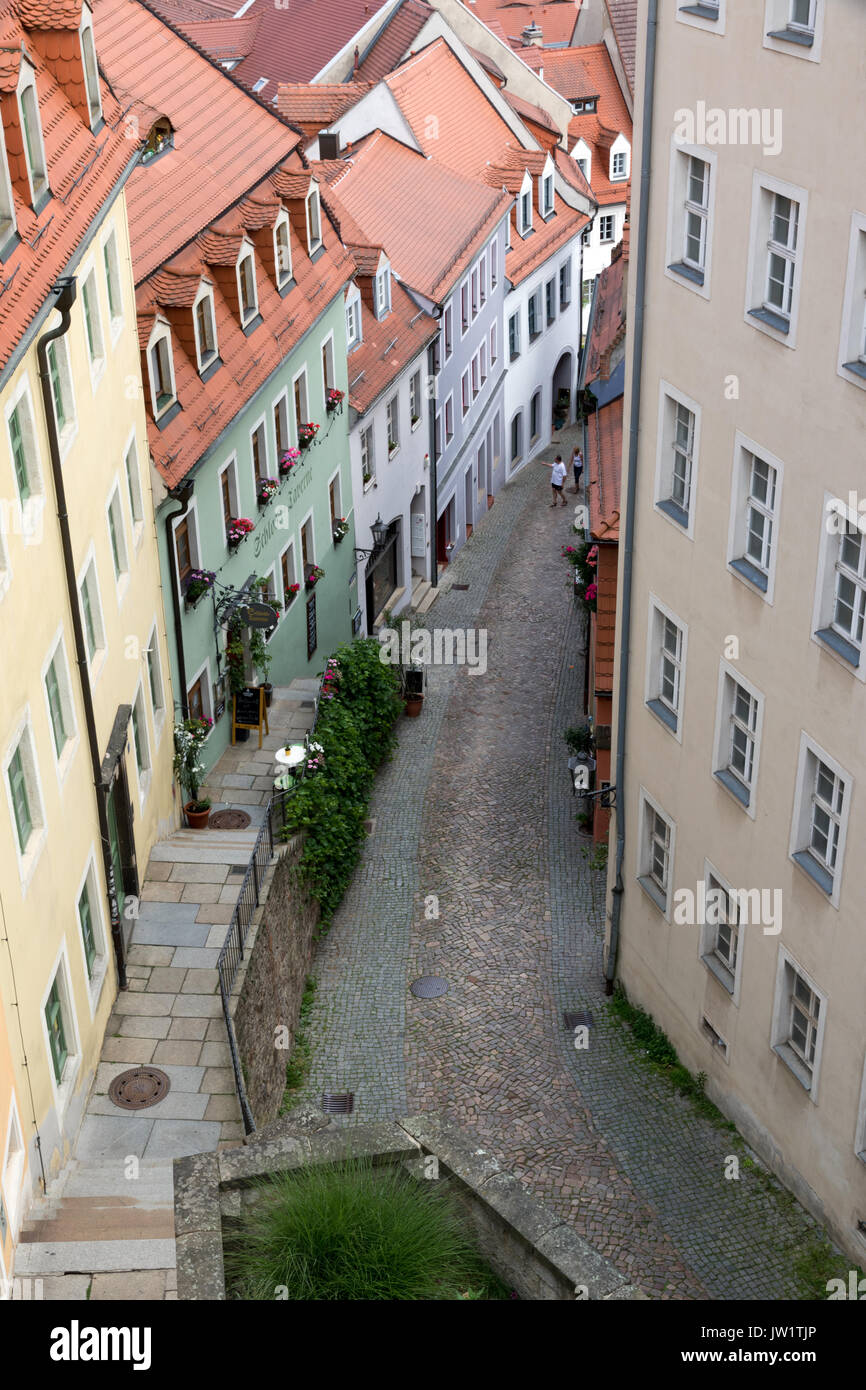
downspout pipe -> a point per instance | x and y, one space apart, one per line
631 475
434 481
184 496
65 290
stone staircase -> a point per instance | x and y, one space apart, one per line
423 595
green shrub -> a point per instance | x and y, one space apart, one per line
355 1232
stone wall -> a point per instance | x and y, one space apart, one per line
270 990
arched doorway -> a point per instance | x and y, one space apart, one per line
562 404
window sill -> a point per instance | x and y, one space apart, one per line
820 876
858 369
371 484
252 324
688 272
137 534
667 716
417 425
778 322
392 453
654 893
533 337
115 328
97 372
122 588
212 365
674 512
794 1064
701 12
68 436
838 644
170 413
286 287
798 36
731 782
750 573
64 1088
317 252
97 665
66 758
719 971
96 982
28 861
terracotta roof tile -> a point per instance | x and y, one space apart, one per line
604 622
556 19
49 14
224 39
528 112
623 17
10 68
604 470
314 105
393 40
608 320
294 44
387 347
581 72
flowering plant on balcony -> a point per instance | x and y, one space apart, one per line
292 592
313 576
266 489
288 460
238 529
198 584
307 433
340 528
334 398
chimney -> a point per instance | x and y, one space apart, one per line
329 144
532 36
357 57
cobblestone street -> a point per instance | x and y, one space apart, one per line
476 808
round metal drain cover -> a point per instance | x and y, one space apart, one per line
229 820
138 1088
429 987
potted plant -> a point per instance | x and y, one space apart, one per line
412 680
340 529
261 657
237 530
236 665
266 489
313 577
307 433
414 420
199 583
189 769
392 447
292 593
289 460
368 478
334 399
330 679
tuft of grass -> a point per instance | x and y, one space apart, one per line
298 1064
355 1232
815 1264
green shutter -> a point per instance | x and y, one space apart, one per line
19 458
55 706
85 917
88 320
134 496
56 389
89 629
109 281
56 1032
20 800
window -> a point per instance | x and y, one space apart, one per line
161 375
666 663
308 547
154 679
535 417
738 733
493 347
334 499
91 612
550 301
20 800
690 216
449 419
288 573
482 359
86 922
852 346
133 486
160 139
754 518
368 461
619 165
229 492
282 251
482 279
795 27
464 308
327 367
582 166
58 695
821 806
437 436
415 398
205 330
353 321
475 293
798 1022
88 60
516 438
465 393
314 221
93 323
677 456
448 330
299 391
7 204
514 336
22 443
775 263
721 946
586 236
57 1031
61 390
564 285
28 105
198 697
259 452
704 14
117 537
534 315
383 293
656 853
112 282
494 264
247 287
475 376
393 416
140 742
526 212
696 208
606 225
546 199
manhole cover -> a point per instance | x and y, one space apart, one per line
338 1104
460 586
572 1021
138 1088
429 987
229 820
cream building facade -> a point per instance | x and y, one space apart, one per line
741 782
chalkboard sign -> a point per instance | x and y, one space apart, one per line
312 636
249 711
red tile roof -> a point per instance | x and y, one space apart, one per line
82 168
432 221
608 320
533 115
295 43
604 622
387 347
314 105
393 40
586 72
223 39
604 470
623 18
556 18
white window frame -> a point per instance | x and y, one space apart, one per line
144 774
134 494
94 107
313 195
367 444
300 376
190 516
661 898
742 792
308 520
465 309
160 332
582 154
37 176
851 365
524 225
63 1090
153 658
58 658
230 467
465 393
448 331
247 316
689 12
93 983
290 550
620 149
111 268
24 737
801 822
777 19
203 675
283 276
59 347
739 562
846 650
514 353
493 349
326 353
21 401
8 219
383 292
694 277
97 661
670 718
281 403
12 1179
448 418
765 188
338 494
664 461
604 218
416 395
205 294
392 424
807 1074
121 580
260 425
708 946
546 193
90 301
354 322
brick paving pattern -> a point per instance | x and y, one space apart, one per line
476 808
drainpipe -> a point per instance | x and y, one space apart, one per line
434 492
628 544
185 497
65 290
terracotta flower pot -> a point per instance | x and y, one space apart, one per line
413 705
196 820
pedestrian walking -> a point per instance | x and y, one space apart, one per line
557 478
577 466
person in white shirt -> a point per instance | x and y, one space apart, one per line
557 478
577 466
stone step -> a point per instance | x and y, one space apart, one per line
169 852
420 590
428 600
101 1218
93 1256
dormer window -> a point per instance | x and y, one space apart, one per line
160 139
161 369
7 205
205 328
282 251
247 298
314 221
619 159
28 104
584 104
88 60
525 211
383 293
546 195
353 320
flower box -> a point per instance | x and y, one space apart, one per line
314 576
292 593
334 399
237 530
289 460
340 529
306 434
200 583
266 489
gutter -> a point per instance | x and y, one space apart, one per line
65 290
628 540
434 480
185 497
